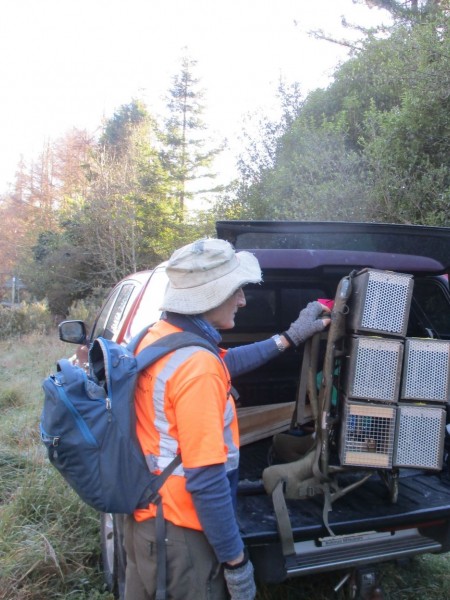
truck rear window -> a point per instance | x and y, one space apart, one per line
430 309
273 308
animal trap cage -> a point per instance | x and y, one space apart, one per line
367 435
380 302
426 372
419 437
374 368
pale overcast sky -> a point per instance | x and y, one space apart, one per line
71 63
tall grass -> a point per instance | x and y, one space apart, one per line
49 540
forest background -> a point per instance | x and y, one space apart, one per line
373 146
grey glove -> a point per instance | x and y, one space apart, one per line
307 324
240 581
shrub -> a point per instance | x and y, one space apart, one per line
87 309
25 318
82 310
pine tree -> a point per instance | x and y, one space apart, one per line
185 153
408 9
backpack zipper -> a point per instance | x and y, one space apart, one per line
76 415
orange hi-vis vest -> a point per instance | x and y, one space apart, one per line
184 405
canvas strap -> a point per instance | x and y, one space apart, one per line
283 521
160 525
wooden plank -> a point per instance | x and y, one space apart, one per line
367 459
259 422
372 410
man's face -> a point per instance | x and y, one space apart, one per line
222 317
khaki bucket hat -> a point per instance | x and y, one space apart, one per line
204 274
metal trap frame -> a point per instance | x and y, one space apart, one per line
380 302
426 372
374 368
367 435
419 437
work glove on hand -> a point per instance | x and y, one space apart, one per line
309 322
240 581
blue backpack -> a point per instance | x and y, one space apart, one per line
88 423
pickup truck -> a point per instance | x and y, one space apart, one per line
377 487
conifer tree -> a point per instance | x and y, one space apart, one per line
186 153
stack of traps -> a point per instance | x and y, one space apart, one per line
383 436
383 371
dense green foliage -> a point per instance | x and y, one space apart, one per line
374 145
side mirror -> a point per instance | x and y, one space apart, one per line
73 332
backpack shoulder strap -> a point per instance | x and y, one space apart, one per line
169 343
160 479
134 342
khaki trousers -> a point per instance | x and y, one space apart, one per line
193 572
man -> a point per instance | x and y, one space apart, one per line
184 405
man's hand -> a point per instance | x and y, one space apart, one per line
239 579
311 320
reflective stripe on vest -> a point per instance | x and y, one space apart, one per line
168 444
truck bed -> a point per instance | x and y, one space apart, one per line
418 522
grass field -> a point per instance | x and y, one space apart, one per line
49 540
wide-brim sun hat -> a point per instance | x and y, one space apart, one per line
204 274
